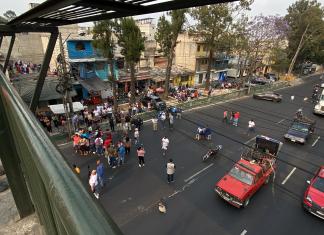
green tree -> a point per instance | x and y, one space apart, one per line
214 25
104 41
166 36
280 60
306 32
131 41
9 15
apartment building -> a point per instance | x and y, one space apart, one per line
192 54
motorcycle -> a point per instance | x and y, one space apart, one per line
212 152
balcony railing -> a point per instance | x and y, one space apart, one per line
39 176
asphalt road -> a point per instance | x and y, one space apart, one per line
132 193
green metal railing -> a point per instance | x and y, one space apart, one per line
40 178
222 97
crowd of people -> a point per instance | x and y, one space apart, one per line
115 143
22 67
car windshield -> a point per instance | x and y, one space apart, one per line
322 97
319 184
241 175
300 127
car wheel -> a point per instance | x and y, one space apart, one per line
246 202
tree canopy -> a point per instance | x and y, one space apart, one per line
306 16
167 35
130 40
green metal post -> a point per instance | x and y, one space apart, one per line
11 165
12 41
43 72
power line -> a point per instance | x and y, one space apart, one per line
239 142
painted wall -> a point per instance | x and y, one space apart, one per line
181 80
78 49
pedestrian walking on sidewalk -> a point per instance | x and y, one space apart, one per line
165 145
170 168
140 155
251 127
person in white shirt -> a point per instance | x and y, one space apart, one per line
170 168
109 112
155 123
136 136
165 145
93 182
251 126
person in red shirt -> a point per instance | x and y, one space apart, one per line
107 143
236 118
76 139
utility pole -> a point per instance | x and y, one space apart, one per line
64 87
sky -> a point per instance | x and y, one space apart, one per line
265 7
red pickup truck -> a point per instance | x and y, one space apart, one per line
253 170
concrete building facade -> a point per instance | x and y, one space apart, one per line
192 54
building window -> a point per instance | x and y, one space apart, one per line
79 46
198 48
205 48
184 78
201 76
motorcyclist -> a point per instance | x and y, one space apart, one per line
299 113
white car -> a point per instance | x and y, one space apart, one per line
322 85
319 107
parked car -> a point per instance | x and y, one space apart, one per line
314 194
268 96
253 170
319 107
271 76
257 81
300 130
156 102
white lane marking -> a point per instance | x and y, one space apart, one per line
315 142
281 121
288 176
194 175
183 188
250 140
244 232
64 144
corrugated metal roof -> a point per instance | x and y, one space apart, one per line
26 89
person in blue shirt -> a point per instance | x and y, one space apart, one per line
121 153
101 173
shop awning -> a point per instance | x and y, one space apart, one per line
94 84
59 108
